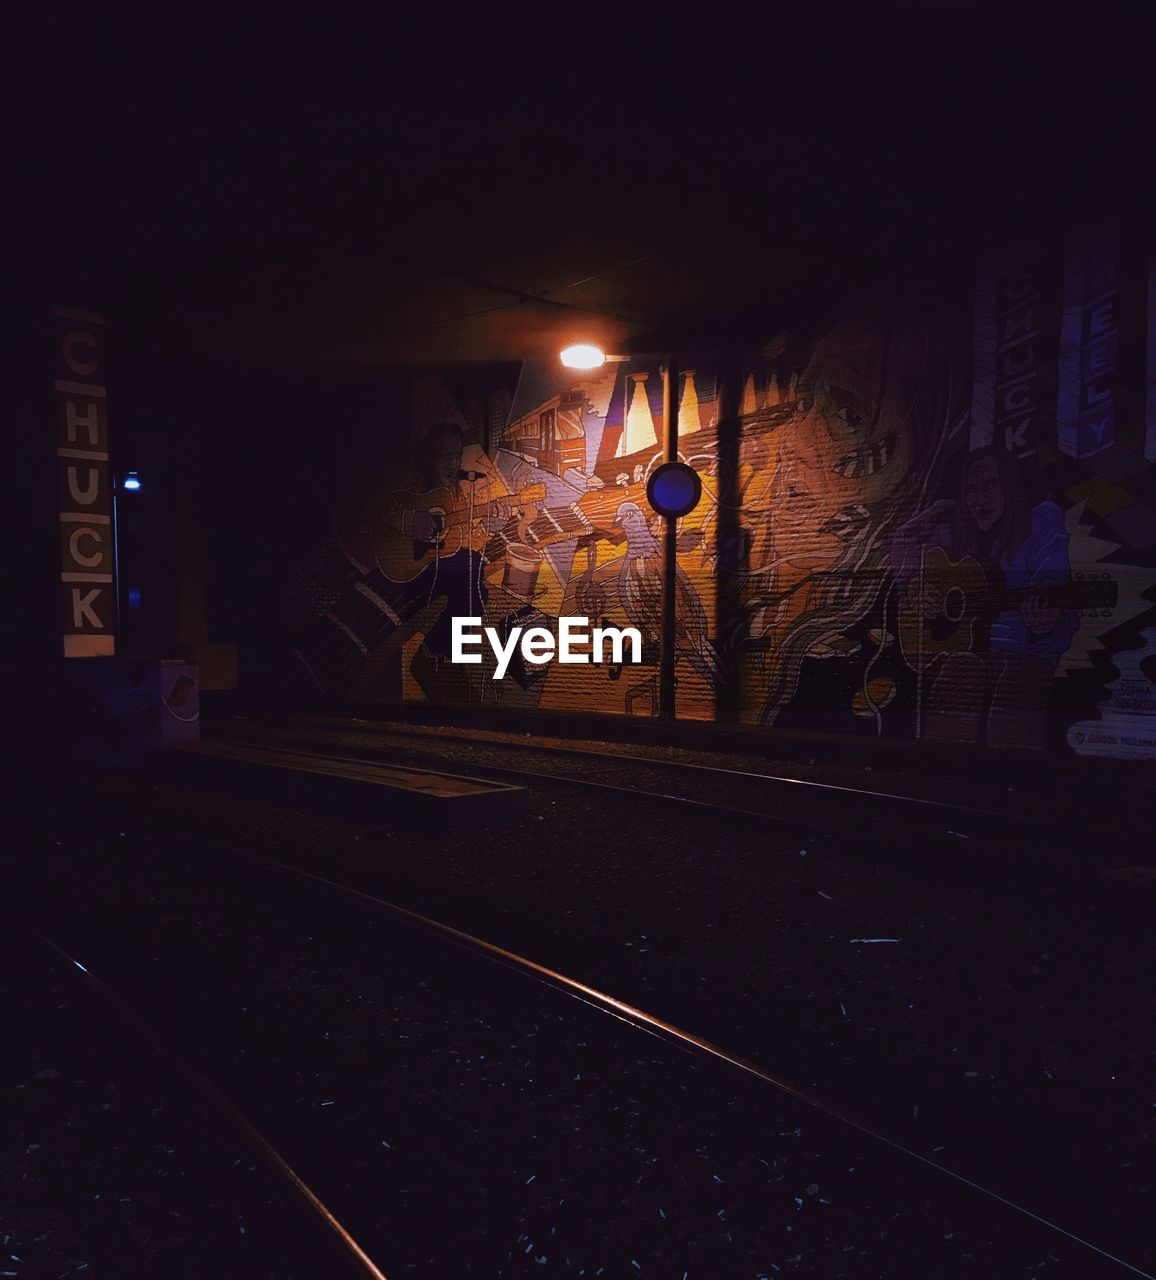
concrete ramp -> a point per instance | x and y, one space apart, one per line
376 792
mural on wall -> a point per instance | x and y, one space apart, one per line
937 526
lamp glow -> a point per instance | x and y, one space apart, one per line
583 355
131 481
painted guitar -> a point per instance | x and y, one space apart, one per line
402 557
970 599
591 512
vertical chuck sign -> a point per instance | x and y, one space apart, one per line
84 487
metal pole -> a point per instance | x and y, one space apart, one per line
666 700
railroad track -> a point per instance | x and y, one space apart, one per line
892 822
352 1257
606 1004
612 759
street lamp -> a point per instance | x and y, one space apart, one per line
586 355
673 490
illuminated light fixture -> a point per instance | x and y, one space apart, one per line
585 355
131 481
674 489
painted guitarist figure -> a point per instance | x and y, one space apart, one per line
424 534
983 616
437 464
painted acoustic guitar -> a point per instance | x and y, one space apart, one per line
402 557
971 600
589 514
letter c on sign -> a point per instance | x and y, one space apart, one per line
71 342
89 561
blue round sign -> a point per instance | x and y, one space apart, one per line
674 489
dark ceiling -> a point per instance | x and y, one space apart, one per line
403 193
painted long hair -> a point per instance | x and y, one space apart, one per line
1015 523
851 588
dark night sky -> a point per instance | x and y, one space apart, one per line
276 194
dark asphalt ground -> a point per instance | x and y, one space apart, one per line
463 1119
114 1166
731 933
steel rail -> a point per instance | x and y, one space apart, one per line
807 824
353 1251
388 728
663 1030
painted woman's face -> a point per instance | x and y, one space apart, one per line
982 493
848 447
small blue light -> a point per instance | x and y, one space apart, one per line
134 597
674 489
131 481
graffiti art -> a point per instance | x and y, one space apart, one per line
927 523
